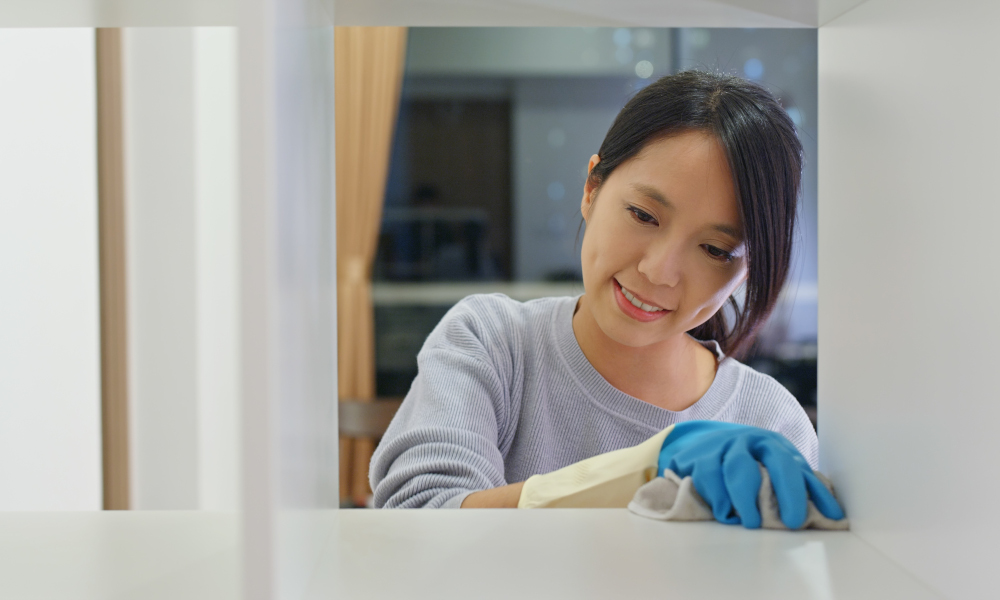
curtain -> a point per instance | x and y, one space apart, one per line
368 77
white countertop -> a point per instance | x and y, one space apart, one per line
446 554
118 555
446 294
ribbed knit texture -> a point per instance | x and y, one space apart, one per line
504 392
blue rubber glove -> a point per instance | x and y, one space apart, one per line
722 458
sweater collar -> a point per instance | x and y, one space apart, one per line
593 385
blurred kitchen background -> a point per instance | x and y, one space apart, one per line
489 158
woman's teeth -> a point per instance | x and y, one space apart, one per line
635 302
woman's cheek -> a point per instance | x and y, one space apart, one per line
721 285
728 277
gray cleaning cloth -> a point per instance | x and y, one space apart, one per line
670 498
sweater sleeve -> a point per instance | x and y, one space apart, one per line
444 443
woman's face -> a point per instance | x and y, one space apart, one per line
663 230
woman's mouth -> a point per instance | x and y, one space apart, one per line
635 308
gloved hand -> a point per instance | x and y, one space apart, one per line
722 458
607 480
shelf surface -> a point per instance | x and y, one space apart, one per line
677 13
117 13
119 555
445 554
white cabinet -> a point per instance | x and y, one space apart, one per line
907 207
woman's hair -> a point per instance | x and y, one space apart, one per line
765 158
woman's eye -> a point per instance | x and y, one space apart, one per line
642 215
719 253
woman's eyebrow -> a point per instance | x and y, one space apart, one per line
729 230
654 194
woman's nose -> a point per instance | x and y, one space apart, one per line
661 263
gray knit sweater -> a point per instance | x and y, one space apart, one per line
504 392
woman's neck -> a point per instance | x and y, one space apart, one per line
672 374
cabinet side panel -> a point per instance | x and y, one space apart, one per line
50 386
908 323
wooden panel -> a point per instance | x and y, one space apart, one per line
111 224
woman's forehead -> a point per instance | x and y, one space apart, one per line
689 172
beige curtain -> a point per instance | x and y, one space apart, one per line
369 72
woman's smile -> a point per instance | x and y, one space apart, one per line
634 307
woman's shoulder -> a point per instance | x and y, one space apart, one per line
738 382
500 308
758 383
492 319
758 396
505 302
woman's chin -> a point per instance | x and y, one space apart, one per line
632 334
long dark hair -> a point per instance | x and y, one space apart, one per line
765 158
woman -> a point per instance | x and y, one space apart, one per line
691 196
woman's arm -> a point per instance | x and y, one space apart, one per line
501 497
446 438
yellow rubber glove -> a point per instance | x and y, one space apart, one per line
607 480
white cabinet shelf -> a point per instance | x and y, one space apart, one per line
118 13
444 554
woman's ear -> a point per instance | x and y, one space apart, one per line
589 188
